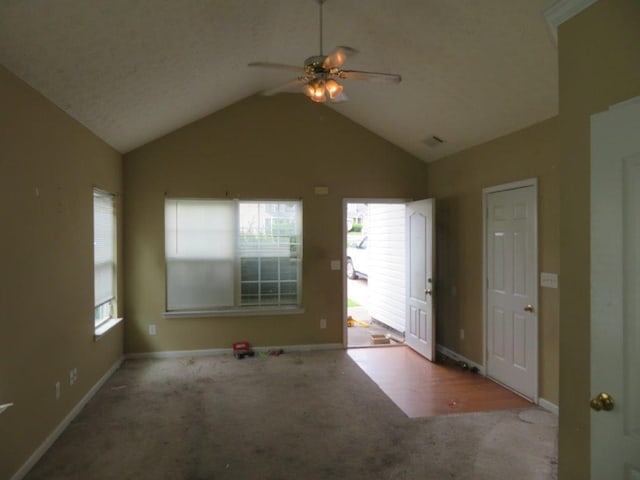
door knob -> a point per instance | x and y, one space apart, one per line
428 291
529 308
603 401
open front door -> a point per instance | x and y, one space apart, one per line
615 303
420 330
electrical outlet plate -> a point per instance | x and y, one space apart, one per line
549 280
323 323
152 329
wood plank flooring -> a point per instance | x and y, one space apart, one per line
424 389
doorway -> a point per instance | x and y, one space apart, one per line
375 272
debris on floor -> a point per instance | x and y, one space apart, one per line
380 339
352 322
242 349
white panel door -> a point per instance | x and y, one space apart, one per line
420 329
615 301
512 326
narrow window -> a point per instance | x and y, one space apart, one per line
104 256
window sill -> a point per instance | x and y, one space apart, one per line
235 312
105 327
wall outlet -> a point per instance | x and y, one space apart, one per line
335 264
323 323
70 377
549 280
73 376
57 390
152 329
462 334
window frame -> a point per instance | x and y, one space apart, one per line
238 308
109 307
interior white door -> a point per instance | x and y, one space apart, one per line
615 283
512 326
420 329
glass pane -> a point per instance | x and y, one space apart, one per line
288 269
268 288
269 269
249 269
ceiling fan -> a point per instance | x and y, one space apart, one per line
319 75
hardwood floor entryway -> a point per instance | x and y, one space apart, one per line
424 389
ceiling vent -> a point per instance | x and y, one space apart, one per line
433 141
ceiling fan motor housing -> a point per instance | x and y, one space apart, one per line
314 65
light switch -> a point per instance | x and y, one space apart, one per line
335 264
549 280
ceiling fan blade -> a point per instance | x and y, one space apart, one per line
337 56
370 76
279 66
293 86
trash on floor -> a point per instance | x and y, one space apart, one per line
242 349
380 339
352 322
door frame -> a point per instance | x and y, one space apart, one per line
529 182
345 202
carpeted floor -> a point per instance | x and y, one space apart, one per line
311 415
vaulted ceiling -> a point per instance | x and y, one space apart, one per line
134 70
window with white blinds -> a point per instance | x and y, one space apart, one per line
104 255
228 254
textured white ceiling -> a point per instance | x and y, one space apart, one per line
134 70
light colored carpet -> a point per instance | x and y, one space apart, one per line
311 415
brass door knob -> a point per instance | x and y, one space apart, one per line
529 308
603 401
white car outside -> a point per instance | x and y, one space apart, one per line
358 259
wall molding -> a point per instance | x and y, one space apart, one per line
53 436
562 10
228 351
460 358
549 406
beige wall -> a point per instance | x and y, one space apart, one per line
260 148
48 166
457 182
599 66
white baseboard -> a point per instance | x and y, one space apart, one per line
229 351
547 405
459 358
53 436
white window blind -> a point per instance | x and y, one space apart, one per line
104 251
224 254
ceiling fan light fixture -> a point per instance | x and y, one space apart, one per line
316 90
334 89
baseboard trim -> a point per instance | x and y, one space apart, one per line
547 405
53 436
459 358
227 351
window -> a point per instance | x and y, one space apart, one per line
230 254
104 256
